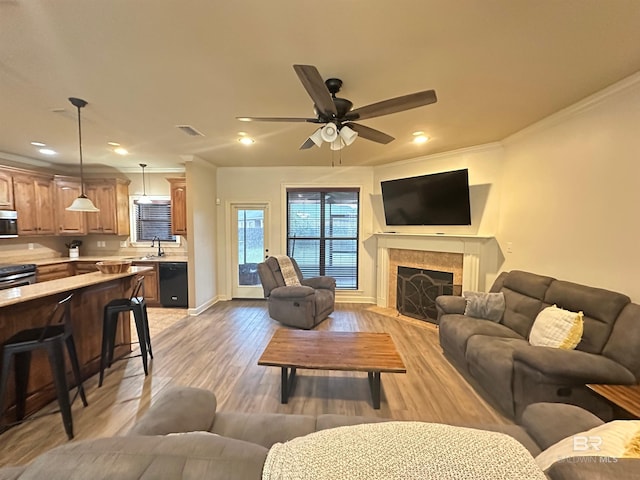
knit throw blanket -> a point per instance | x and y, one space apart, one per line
401 451
288 272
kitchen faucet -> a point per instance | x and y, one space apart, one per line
153 242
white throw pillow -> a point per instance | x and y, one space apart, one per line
558 328
617 439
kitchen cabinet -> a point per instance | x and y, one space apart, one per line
111 196
6 191
151 284
66 190
33 198
178 205
44 273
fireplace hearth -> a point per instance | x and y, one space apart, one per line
417 290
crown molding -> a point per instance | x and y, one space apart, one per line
592 101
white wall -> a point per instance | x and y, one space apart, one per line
201 236
267 185
571 193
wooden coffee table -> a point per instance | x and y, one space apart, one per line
348 351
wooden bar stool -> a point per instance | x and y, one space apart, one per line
52 337
112 310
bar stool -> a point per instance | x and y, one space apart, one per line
52 337
112 310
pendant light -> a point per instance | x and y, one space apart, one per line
82 203
144 199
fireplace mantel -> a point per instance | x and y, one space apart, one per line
476 250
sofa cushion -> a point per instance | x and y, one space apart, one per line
488 306
601 308
259 427
456 330
557 328
548 423
490 361
187 456
625 338
523 295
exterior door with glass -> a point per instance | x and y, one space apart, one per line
249 232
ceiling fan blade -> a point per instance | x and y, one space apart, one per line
393 105
317 90
277 119
308 144
370 133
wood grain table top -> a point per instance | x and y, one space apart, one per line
321 350
626 397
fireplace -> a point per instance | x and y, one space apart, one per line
417 290
469 257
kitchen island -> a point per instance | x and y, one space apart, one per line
29 306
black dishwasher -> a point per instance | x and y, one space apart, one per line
174 289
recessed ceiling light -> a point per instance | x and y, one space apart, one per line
246 140
121 151
47 151
38 144
420 137
113 144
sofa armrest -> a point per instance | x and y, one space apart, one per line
178 409
290 292
575 366
450 304
548 423
325 283
602 468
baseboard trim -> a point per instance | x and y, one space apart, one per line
198 310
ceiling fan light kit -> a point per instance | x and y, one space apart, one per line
82 203
338 115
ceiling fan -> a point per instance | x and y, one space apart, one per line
337 114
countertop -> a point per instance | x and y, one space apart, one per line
53 261
15 295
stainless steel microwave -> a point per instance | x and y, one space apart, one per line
8 223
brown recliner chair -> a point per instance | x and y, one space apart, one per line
302 306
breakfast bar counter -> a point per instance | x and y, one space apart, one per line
29 306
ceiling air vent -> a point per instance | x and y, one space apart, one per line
189 130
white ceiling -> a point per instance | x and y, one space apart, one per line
146 66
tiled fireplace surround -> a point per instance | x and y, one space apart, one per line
462 255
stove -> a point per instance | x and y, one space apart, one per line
17 275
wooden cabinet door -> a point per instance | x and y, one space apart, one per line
151 285
33 198
44 202
6 191
111 196
69 223
178 206
103 197
25 204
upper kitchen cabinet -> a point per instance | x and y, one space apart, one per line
33 198
66 190
178 205
6 191
111 196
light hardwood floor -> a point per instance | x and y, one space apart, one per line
219 350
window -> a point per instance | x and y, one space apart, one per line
150 220
322 233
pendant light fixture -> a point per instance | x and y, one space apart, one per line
82 203
144 199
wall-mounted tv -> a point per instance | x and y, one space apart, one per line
436 199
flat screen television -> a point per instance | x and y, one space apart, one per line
436 199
